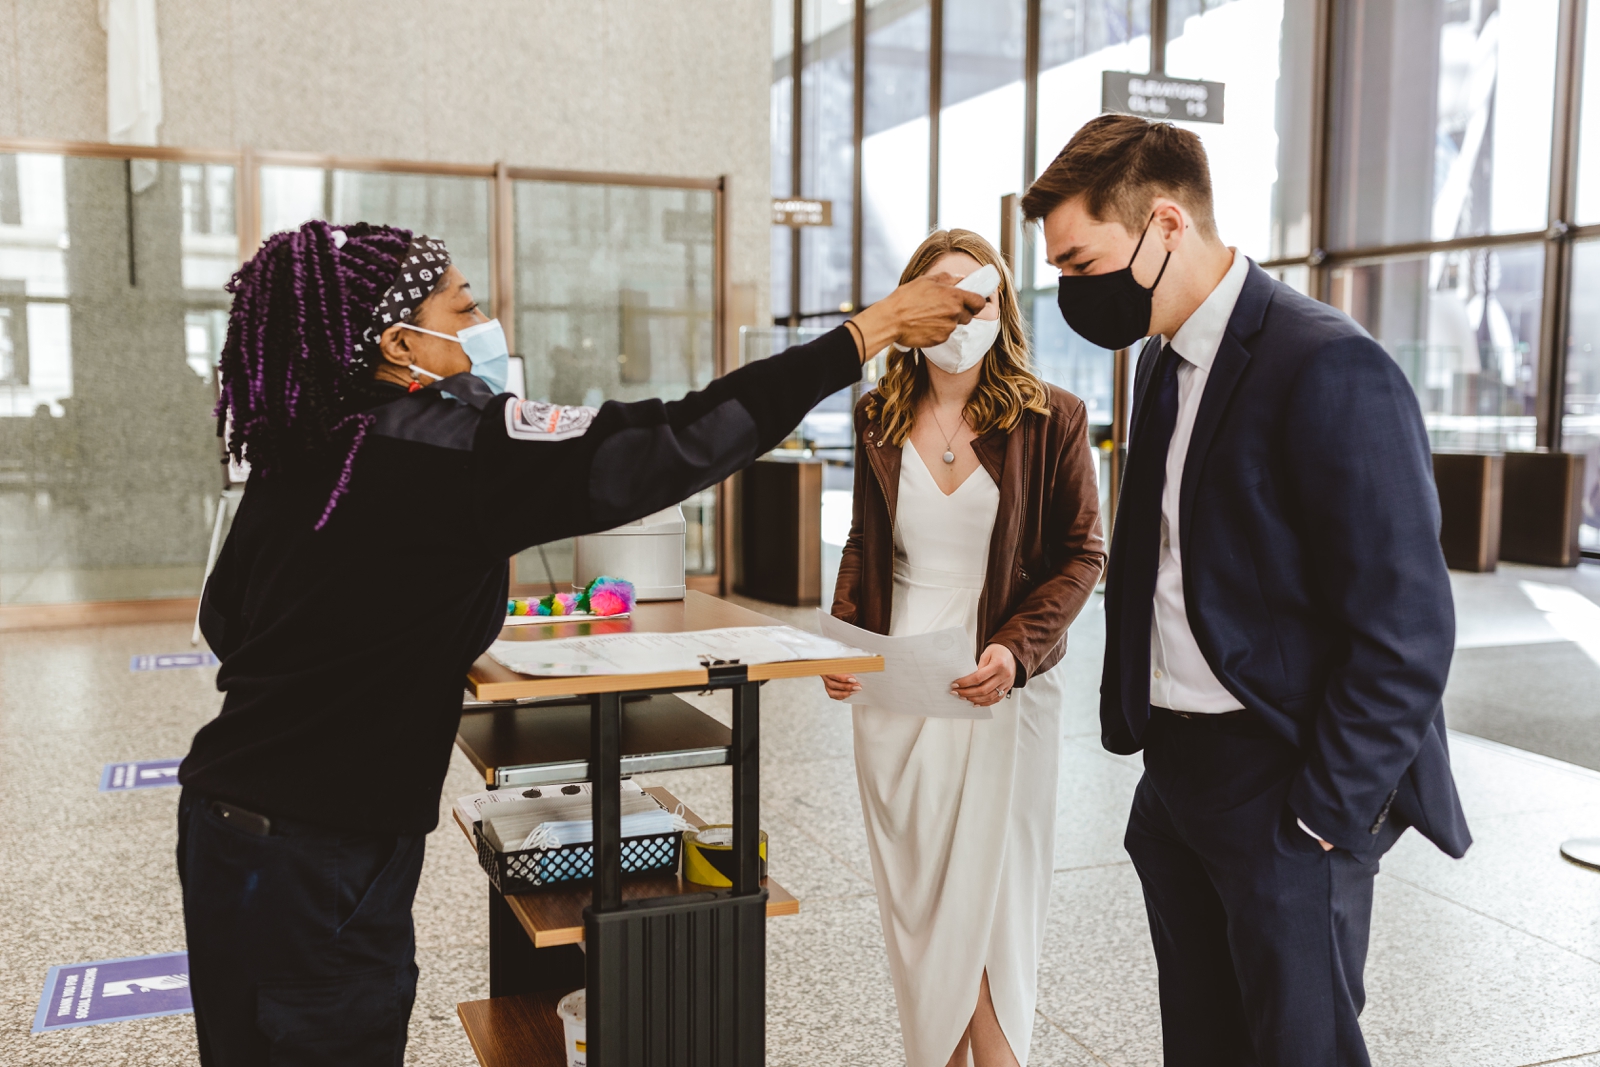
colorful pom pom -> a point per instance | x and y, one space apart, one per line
606 602
604 596
608 596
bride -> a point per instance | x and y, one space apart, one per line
975 506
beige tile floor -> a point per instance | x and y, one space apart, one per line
1491 961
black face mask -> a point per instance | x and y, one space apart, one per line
1110 310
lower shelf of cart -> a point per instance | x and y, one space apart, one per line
554 916
520 1031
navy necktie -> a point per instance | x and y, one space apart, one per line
1138 534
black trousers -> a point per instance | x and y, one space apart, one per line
301 948
1260 935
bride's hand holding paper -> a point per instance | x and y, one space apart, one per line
919 671
996 674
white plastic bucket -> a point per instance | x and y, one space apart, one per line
573 1008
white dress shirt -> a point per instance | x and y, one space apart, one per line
1180 678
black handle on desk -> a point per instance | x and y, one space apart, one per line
605 772
746 756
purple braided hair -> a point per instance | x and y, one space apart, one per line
362 424
292 374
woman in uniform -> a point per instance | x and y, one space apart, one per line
392 477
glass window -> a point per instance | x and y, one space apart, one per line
1260 156
109 473
1588 191
894 148
1442 120
1078 39
827 152
782 145
1580 427
1296 277
615 288
1464 326
981 112
453 209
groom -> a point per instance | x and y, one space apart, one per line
1278 616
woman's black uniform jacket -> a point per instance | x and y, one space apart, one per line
344 650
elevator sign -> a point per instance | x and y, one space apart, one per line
1157 97
793 211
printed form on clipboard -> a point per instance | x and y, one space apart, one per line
653 653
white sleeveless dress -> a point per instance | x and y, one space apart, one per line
960 813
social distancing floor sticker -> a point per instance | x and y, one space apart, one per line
139 774
112 991
172 661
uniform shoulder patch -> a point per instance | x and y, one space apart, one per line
537 420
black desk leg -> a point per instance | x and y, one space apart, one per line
515 966
605 772
746 788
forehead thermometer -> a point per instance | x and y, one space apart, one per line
983 281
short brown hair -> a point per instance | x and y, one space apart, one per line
1119 164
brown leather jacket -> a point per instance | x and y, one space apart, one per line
1047 550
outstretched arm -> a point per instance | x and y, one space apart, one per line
557 472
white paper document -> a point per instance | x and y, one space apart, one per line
530 620
917 670
652 653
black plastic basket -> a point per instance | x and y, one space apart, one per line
539 868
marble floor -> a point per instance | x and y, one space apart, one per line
1491 961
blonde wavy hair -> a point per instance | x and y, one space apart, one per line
1007 387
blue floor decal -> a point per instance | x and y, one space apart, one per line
172 661
112 991
139 774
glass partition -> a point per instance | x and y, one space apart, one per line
112 314
1260 155
826 433
1581 424
894 144
1442 124
981 94
782 133
615 288
827 152
451 208
1078 39
1587 199
1464 326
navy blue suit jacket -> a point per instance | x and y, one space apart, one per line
1312 572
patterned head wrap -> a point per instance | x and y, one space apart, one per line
423 264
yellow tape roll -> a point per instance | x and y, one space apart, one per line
708 855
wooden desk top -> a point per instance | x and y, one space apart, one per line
555 916
489 680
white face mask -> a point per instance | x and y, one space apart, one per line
966 347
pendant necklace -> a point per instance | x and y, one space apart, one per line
949 455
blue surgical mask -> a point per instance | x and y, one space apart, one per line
484 344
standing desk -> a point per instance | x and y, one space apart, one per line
676 973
